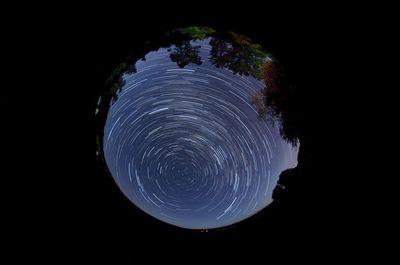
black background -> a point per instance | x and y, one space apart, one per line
79 208
303 213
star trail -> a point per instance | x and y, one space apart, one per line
185 145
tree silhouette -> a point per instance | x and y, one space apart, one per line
258 101
273 103
277 102
221 52
239 54
232 51
185 53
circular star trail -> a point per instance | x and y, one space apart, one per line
184 144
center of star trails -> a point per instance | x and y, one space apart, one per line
184 142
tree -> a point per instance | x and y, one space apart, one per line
239 54
197 32
185 53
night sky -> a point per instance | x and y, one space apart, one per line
62 202
185 145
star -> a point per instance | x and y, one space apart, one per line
185 144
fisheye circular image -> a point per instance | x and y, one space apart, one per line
193 129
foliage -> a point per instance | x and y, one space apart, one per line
258 100
239 54
186 53
269 73
233 51
196 32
